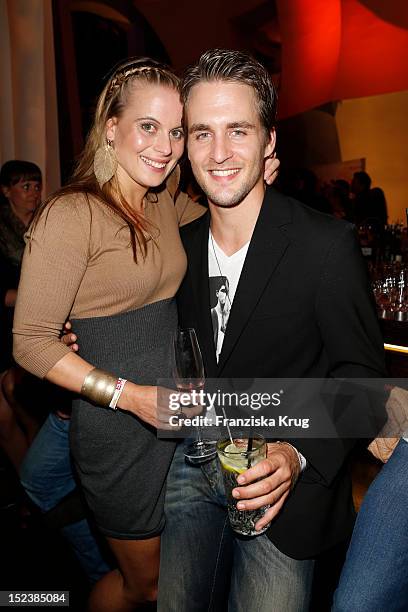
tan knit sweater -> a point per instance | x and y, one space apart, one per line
78 263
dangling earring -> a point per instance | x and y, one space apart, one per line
105 163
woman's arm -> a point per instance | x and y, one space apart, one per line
52 272
71 371
54 264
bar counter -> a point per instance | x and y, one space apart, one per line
395 334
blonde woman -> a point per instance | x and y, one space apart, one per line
105 252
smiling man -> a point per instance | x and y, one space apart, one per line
227 152
300 306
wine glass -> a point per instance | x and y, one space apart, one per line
188 374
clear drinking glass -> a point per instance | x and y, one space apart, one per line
188 374
235 458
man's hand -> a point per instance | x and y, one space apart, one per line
68 338
271 168
268 482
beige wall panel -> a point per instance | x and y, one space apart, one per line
28 100
377 128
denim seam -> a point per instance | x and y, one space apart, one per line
216 565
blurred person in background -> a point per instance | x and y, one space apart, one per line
338 194
379 205
24 400
370 207
375 574
306 190
21 186
45 471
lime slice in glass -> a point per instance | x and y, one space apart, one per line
236 464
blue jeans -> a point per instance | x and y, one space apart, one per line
47 477
375 573
204 566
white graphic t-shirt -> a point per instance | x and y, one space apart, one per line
224 272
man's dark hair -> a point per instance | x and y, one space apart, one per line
15 170
363 178
235 67
220 281
343 186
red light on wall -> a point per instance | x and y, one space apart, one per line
337 49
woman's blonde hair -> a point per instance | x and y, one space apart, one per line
111 103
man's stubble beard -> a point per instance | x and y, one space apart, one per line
232 200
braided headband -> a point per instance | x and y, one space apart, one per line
121 78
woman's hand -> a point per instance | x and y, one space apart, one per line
272 164
150 404
10 298
69 338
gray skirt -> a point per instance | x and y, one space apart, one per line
121 464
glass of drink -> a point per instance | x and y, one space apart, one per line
188 374
235 457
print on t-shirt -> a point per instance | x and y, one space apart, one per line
220 309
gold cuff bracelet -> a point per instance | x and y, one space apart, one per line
99 387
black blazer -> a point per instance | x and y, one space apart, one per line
303 308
